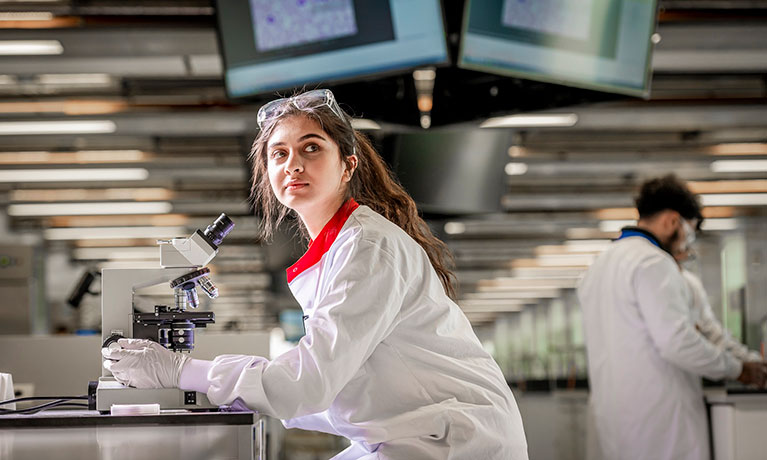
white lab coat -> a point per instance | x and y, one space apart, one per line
388 360
709 326
645 357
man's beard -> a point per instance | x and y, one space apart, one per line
668 245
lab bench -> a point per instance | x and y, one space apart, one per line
87 435
738 423
558 422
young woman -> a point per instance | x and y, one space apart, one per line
388 360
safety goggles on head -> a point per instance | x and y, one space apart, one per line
304 101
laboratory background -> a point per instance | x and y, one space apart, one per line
521 129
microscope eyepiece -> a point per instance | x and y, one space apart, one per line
218 230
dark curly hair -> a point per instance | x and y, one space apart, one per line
667 192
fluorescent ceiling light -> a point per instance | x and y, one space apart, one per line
68 107
455 228
83 156
127 264
505 283
479 317
728 186
616 214
739 149
580 233
516 151
549 272
719 224
615 225
86 194
8 80
543 120
57 127
726 166
133 253
507 304
515 169
496 307
424 74
734 199
30 47
587 245
75 79
117 220
487 301
568 250
364 124
546 285
89 209
26 16
517 295
152 295
112 233
73 175
565 260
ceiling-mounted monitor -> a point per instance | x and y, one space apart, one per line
596 44
271 45
451 172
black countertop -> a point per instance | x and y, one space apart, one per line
87 418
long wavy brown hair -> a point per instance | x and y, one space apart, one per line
372 184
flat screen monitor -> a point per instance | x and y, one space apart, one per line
453 172
596 44
273 45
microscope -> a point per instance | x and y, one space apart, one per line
182 266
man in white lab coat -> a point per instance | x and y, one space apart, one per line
644 353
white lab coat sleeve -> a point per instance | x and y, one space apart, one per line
659 287
711 328
360 295
312 422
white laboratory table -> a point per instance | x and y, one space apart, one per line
87 435
738 424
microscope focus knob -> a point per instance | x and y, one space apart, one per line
111 341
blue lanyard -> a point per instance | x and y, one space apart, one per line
625 233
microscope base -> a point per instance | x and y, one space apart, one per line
109 392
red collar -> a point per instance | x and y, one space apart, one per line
319 246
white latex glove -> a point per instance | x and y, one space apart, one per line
142 363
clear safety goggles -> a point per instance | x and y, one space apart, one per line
689 234
304 101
